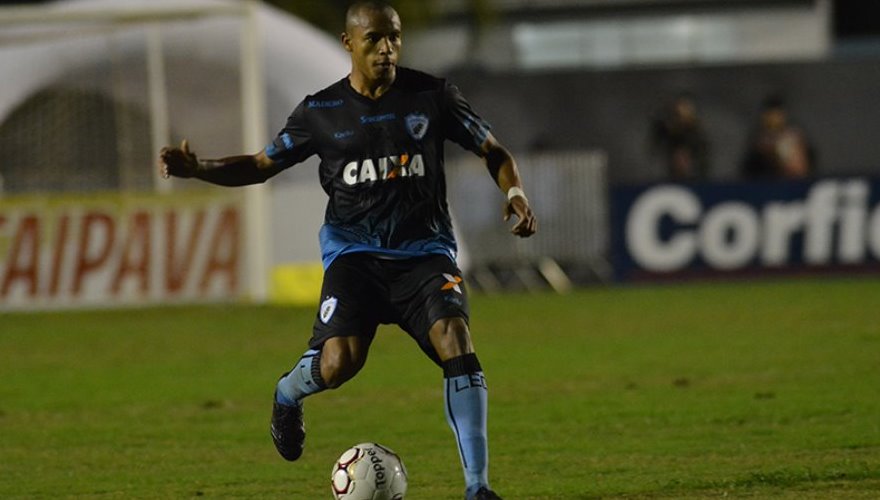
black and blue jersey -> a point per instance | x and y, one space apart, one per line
382 163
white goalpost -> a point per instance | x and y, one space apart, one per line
92 91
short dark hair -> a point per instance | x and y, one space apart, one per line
773 101
355 8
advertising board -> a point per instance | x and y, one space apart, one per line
676 231
116 249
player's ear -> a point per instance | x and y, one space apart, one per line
346 41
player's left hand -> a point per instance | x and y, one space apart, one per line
527 223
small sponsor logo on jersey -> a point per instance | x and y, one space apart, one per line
452 283
335 103
377 118
344 134
416 125
383 169
328 307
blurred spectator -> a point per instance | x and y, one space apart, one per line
776 148
678 137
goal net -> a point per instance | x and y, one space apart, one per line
92 90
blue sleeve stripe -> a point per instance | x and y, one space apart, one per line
274 151
271 150
478 129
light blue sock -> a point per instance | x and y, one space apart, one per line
302 380
466 399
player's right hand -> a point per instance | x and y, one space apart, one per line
179 162
526 223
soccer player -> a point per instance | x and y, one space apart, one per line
387 244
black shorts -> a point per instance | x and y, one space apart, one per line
361 291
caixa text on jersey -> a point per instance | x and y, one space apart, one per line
383 169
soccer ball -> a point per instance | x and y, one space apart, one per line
368 471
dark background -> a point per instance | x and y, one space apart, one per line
837 103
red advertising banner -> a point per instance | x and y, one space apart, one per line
109 250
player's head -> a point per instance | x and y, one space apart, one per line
372 37
773 113
684 108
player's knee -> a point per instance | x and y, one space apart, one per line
338 366
451 338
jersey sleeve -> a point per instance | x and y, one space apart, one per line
293 143
463 125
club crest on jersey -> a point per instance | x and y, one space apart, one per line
328 307
416 125
383 169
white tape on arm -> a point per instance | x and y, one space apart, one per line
516 191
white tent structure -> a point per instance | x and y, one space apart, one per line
297 58
179 69
91 89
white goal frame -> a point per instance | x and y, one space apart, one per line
253 100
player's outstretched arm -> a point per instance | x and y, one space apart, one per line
502 166
230 171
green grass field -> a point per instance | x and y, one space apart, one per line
749 390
